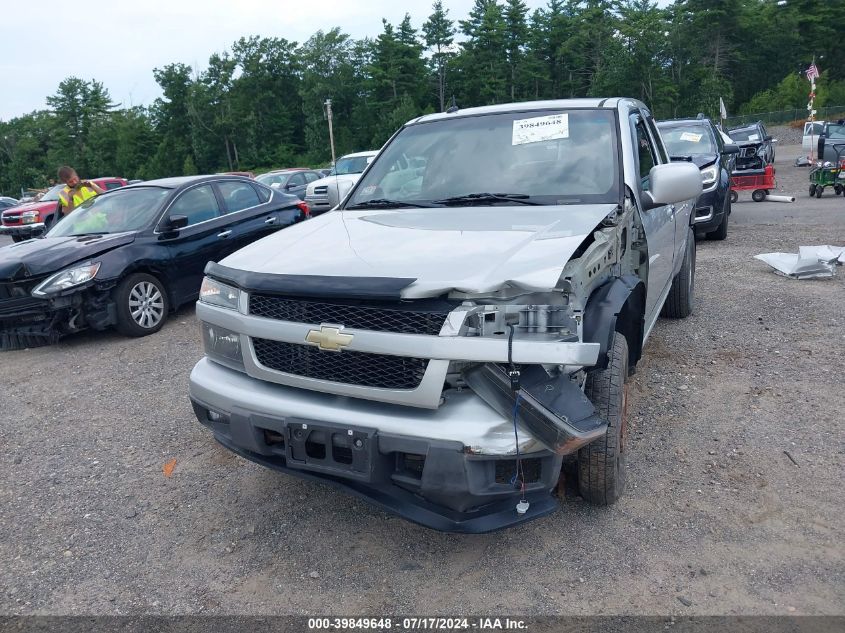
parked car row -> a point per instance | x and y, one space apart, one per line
25 221
132 255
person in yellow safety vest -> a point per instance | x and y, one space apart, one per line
76 191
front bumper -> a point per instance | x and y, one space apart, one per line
710 209
27 321
318 204
25 231
461 455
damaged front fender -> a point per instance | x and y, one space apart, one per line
553 410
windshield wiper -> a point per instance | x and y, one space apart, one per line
384 203
471 198
89 233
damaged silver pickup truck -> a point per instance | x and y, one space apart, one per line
464 322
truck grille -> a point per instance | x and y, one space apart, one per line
322 190
416 320
11 219
352 368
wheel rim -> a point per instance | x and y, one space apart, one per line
146 304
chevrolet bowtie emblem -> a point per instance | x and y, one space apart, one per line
329 338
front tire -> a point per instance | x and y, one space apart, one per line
758 195
734 196
601 464
17 238
812 190
142 305
678 304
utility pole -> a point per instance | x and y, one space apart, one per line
328 105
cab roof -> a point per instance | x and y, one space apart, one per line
610 103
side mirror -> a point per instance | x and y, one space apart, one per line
730 148
176 222
672 183
289 186
773 140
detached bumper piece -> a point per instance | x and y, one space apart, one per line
431 482
554 410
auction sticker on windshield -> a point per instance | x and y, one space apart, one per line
541 128
689 136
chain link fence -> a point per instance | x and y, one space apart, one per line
786 116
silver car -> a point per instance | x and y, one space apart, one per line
324 194
463 326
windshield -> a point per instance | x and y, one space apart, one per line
687 140
350 165
542 157
52 194
272 179
835 130
749 134
116 212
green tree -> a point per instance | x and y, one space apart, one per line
439 32
172 121
483 60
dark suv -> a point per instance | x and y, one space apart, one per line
756 147
698 141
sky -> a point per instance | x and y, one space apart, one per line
119 42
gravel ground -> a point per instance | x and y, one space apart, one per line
718 518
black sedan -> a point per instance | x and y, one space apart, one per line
130 256
698 140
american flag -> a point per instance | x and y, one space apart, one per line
812 72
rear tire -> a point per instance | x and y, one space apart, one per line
819 191
142 305
679 303
601 464
812 190
734 196
17 238
758 195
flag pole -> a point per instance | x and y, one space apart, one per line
810 107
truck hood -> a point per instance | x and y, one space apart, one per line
331 180
703 160
33 258
472 250
32 206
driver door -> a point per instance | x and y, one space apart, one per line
201 241
658 223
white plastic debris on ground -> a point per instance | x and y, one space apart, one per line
811 262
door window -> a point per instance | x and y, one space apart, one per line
198 205
113 184
263 193
645 152
297 180
311 176
238 195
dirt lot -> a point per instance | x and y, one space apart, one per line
717 519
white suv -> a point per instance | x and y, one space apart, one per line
322 195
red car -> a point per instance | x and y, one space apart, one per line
30 220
